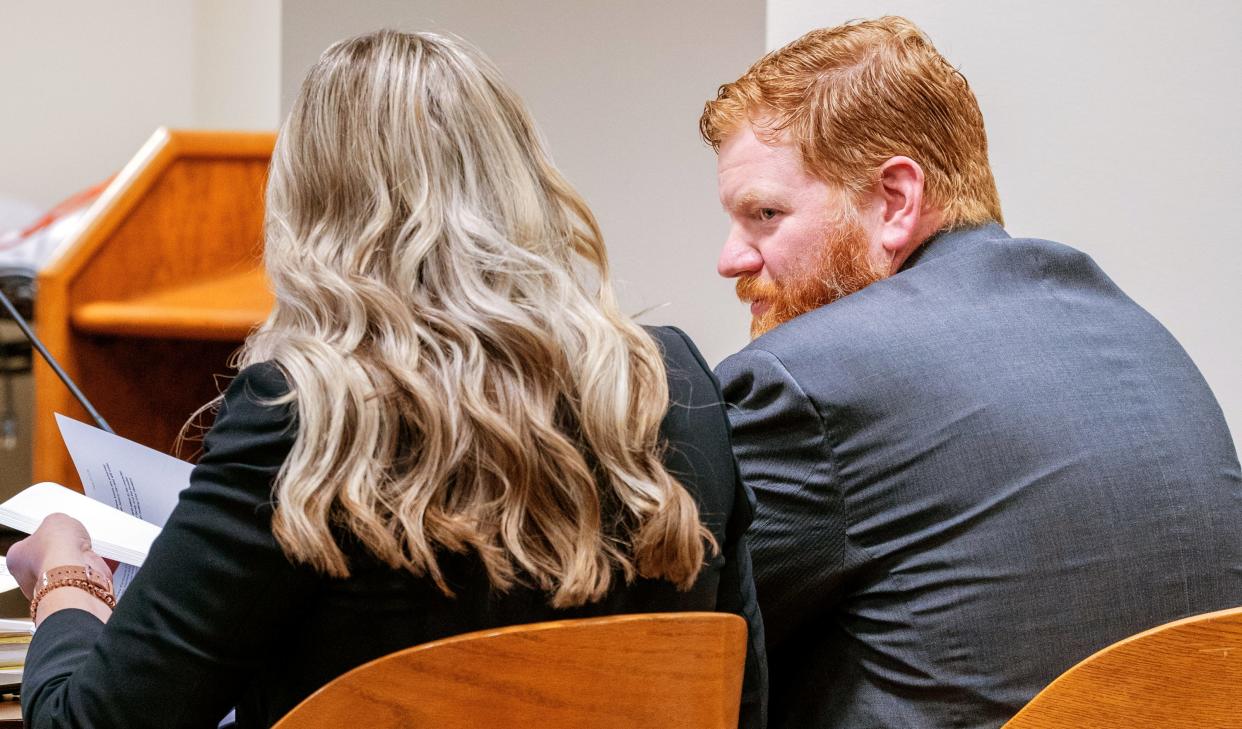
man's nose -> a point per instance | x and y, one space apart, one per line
738 257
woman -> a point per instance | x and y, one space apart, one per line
443 426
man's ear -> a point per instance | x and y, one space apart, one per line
899 197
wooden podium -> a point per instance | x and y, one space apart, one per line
145 303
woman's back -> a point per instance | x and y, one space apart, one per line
342 623
219 617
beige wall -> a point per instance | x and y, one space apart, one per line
1114 128
617 89
236 64
85 83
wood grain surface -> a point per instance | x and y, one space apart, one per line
222 309
660 671
1181 675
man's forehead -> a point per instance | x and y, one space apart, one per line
744 148
750 169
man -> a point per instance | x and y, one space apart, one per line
976 460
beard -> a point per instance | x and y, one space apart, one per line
843 267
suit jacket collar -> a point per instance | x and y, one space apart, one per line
949 241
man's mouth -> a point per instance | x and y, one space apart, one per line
757 307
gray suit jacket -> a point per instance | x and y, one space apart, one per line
970 476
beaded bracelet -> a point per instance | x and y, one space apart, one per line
79 576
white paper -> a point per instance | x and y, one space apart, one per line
130 492
7 581
114 534
10 677
139 481
14 626
121 577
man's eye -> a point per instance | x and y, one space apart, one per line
766 213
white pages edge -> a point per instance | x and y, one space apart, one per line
114 534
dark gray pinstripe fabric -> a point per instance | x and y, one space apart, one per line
970 476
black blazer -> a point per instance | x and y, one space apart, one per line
218 617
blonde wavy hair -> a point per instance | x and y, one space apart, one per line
854 96
462 377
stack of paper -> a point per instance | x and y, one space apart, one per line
15 634
7 581
114 534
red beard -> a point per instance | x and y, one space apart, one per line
843 268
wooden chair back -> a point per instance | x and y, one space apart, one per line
681 670
1187 673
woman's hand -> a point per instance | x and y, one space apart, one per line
59 540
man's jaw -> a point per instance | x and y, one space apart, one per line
763 296
843 267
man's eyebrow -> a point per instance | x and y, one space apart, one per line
750 199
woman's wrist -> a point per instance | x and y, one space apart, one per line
56 569
75 585
61 558
66 598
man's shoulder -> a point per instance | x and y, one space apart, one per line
828 338
956 290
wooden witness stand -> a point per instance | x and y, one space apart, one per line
144 305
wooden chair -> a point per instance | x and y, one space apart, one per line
680 670
1187 673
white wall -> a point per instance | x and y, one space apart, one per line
84 83
1113 127
617 89
236 64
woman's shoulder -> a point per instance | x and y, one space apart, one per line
690 379
691 383
695 428
261 381
686 366
256 415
